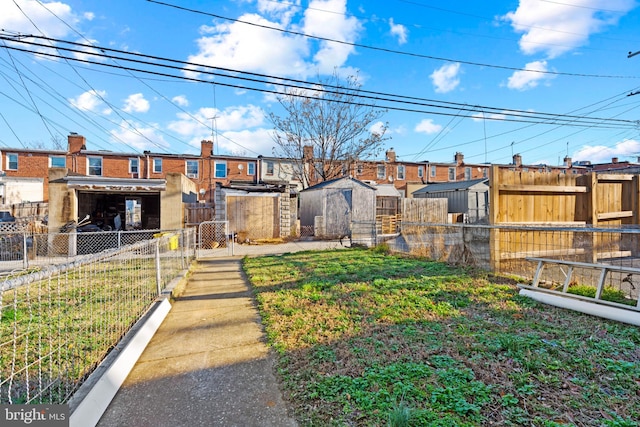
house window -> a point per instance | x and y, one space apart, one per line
400 171
382 171
192 168
133 166
485 171
251 168
157 165
12 161
360 169
269 168
452 174
57 161
220 169
467 174
420 172
433 171
95 166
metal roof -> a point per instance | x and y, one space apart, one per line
451 186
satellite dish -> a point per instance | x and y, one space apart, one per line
240 166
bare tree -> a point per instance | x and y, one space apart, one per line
326 130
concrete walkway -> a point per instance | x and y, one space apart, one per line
207 365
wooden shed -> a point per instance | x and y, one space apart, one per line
331 206
469 198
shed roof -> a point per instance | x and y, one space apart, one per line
452 186
387 190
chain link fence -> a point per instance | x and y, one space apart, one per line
58 323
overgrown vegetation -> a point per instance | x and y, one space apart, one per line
372 339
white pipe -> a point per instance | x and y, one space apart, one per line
593 308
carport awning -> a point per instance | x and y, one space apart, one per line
115 185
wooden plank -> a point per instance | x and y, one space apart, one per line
547 223
615 177
549 252
615 215
543 188
613 254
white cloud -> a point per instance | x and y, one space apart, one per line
399 31
604 154
336 25
54 19
92 100
558 27
199 124
478 117
524 80
138 136
377 127
180 100
427 126
445 79
136 103
247 47
247 142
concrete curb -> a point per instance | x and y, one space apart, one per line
97 399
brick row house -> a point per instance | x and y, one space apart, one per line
208 170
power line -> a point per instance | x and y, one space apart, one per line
504 113
398 52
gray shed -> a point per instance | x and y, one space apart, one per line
470 198
330 207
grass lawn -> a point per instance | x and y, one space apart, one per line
365 338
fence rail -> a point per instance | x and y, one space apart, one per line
58 323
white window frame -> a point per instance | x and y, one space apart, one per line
433 170
452 173
381 171
220 166
270 168
359 169
91 159
10 162
134 165
420 172
401 172
467 173
191 174
157 165
52 157
251 168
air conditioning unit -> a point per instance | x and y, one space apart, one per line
192 175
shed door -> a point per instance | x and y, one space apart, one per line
338 212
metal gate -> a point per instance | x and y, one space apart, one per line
214 239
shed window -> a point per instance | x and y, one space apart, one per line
382 172
95 166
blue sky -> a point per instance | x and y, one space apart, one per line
540 78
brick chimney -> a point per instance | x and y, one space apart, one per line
567 161
517 159
459 158
614 160
206 148
76 143
391 155
307 152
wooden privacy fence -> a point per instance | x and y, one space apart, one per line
535 201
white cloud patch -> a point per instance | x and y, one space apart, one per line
136 103
399 31
92 100
604 154
52 18
180 100
554 28
241 46
478 117
139 136
378 127
428 126
198 125
525 79
247 142
445 79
